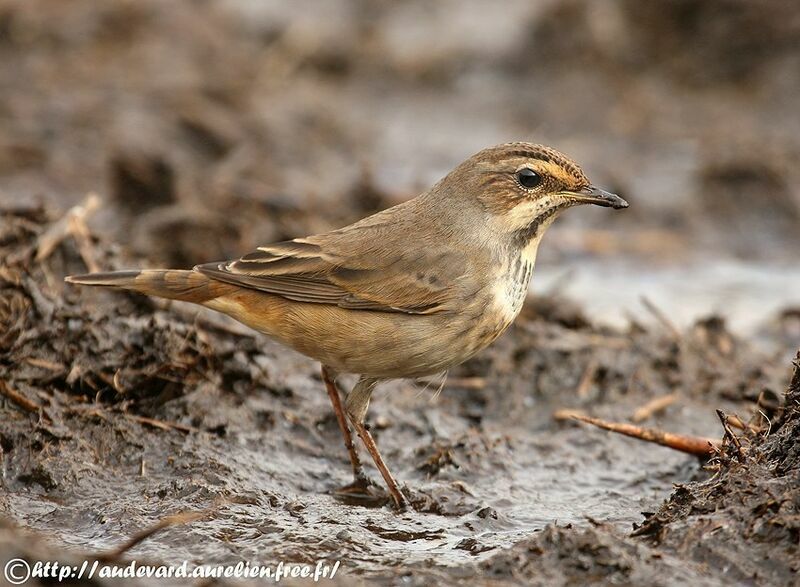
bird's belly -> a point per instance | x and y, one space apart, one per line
386 345
399 346
379 344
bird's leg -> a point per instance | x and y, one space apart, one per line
356 405
360 480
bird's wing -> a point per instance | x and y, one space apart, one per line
371 272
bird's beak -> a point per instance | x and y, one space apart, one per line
593 195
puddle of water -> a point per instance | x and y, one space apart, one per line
744 293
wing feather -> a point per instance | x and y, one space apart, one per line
328 269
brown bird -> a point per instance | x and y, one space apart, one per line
408 292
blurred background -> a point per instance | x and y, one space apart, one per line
210 127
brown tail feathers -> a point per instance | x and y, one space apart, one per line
188 286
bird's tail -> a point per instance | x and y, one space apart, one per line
188 286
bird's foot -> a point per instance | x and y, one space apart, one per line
362 491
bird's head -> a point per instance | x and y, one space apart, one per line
523 186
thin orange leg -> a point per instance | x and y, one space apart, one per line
360 478
356 406
391 484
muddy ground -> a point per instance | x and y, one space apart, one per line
120 411
209 128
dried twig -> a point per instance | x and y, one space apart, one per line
695 445
730 435
83 238
466 382
585 384
736 422
442 380
73 223
654 406
173 520
19 399
574 341
567 414
45 364
661 317
162 424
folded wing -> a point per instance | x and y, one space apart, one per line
371 273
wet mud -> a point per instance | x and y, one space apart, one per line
134 410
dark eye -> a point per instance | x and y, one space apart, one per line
528 178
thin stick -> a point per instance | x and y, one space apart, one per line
695 445
654 406
466 382
162 424
729 434
45 364
173 520
60 229
585 384
661 317
19 399
567 414
736 422
83 238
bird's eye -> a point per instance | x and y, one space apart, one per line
528 178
